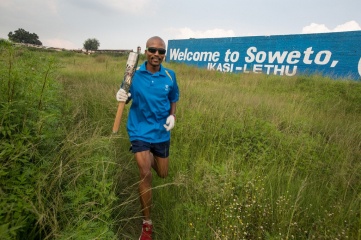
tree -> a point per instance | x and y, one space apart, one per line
22 36
91 44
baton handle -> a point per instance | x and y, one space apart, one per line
118 117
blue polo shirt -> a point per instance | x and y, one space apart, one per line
151 96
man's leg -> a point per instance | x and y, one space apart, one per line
144 162
161 166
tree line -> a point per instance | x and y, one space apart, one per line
23 36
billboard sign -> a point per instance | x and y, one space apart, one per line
337 55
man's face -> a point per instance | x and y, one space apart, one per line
156 52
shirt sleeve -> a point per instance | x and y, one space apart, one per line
174 93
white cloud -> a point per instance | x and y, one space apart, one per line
128 6
315 28
321 28
349 26
184 33
59 43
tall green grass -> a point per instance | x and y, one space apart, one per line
252 157
30 132
270 157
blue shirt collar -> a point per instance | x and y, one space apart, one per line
160 72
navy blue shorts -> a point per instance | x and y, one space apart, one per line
158 149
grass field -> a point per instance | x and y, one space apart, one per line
252 156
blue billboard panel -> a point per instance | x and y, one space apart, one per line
337 55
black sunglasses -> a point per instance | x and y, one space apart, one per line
161 51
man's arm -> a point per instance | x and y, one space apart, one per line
173 107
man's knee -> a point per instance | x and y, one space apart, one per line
145 174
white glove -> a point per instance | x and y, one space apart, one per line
122 96
169 124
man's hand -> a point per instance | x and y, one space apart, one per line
122 96
169 124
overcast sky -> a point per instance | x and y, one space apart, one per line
126 24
